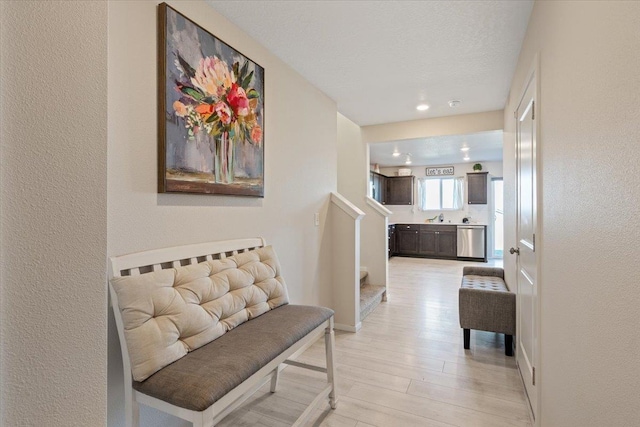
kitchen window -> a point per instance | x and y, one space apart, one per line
438 194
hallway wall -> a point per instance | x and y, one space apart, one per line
53 210
300 169
590 186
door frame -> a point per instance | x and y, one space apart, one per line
491 227
533 74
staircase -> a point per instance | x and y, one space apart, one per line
370 295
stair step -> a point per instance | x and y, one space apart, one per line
363 277
370 297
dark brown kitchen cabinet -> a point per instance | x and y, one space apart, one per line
399 190
428 241
439 241
447 244
477 188
407 239
424 240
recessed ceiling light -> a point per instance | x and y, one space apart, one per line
466 158
465 149
454 103
408 161
422 107
396 154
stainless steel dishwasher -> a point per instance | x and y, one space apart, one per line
471 241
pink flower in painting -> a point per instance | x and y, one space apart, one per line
212 76
256 134
223 112
237 99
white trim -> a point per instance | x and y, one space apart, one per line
346 206
378 207
177 253
348 328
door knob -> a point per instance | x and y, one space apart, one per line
514 251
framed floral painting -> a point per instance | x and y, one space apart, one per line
210 112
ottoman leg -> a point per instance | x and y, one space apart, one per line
508 345
467 338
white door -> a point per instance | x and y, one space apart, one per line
527 292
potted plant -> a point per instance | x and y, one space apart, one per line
477 167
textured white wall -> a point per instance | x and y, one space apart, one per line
590 178
301 169
53 213
452 125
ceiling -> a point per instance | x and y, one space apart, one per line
378 60
439 150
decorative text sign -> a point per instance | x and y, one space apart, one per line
446 170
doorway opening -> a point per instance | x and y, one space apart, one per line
497 210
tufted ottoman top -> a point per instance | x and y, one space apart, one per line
487 283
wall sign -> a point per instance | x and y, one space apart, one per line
446 170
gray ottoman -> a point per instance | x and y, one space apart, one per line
485 303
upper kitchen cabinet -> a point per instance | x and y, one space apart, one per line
391 190
399 190
477 185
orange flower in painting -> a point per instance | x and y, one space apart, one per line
180 109
256 134
205 109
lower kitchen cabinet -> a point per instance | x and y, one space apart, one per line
407 239
428 242
437 241
447 244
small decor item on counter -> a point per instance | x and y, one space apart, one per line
465 220
431 219
477 167
441 218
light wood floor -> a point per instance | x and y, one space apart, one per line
405 367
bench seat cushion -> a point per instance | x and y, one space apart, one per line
487 283
168 313
200 378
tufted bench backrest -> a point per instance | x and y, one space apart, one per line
167 313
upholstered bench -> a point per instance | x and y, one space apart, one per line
204 326
485 303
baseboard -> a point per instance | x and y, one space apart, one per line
347 328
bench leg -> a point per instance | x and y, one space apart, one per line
131 410
329 344
508 345
274 379
467 338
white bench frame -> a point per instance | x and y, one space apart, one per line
153 260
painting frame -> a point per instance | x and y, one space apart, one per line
211 112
